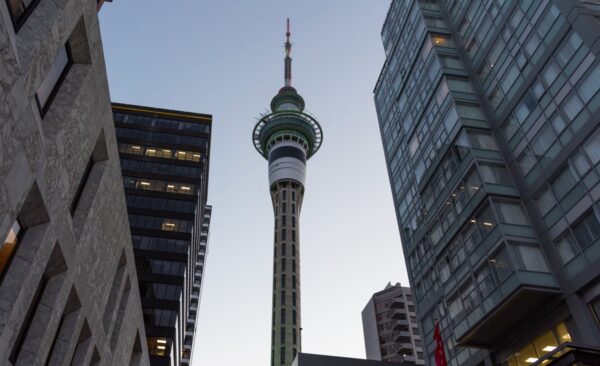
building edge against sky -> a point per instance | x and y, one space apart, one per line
165 164
287 137
67 275
390 326
488 113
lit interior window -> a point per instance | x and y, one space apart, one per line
439 41
168 226
158 346
145 183
185 188
7 248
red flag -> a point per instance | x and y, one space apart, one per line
440 355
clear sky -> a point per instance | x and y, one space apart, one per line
225 58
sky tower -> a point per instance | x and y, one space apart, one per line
287 137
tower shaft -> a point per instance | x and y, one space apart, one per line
286 196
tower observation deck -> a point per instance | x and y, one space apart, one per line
287 137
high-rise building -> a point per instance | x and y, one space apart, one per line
164 160
489 114
287 137
67 272
390 327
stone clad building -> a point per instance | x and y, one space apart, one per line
68 285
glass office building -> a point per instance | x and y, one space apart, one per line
488 112
164 160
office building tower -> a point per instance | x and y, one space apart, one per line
390 327
286 137
67 272
164 161
488 112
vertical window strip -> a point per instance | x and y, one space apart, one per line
37 297
81 186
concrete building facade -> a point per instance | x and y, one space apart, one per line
287 137
390 327
164 160
67 269
489 114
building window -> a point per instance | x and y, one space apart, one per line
530 257
37 297
282 338
541 345
158 346
19 11
566 246
587 230
81 186
595 307
501 264
282 354
56 75
9 247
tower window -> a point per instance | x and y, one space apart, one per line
282 297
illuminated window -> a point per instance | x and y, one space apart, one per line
8 248
158 346
541 345
169 226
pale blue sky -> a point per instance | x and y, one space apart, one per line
225 58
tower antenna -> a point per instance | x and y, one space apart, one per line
288 59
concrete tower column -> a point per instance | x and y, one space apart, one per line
286 196
287 137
